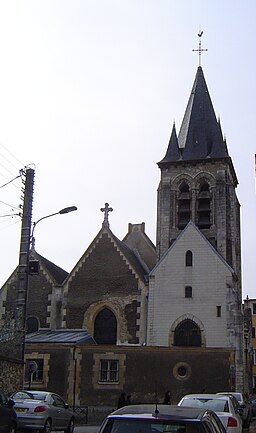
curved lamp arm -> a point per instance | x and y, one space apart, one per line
62 211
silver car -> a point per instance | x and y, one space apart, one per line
42 410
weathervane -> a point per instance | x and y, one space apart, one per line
200 49
106 211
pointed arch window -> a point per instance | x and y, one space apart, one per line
204 207
105 327
189 258
184 206
187 333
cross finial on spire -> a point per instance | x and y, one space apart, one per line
106 211
200 49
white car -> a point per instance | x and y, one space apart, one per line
245 408
224 406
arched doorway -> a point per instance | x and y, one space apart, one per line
105 327
187 333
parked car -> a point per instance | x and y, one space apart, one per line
252 402
8 417
225 406
245 408
42 410
161 418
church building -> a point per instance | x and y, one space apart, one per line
142 318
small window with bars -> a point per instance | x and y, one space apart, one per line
109 371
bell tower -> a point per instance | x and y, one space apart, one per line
198 181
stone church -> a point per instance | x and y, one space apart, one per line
142 318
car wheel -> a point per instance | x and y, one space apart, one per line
47 426
71 426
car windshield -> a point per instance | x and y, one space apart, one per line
148 426
216 404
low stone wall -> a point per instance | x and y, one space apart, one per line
11 371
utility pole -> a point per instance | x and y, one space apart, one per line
23 269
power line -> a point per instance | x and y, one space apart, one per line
9 205
10 181
13 223
11 215
20 163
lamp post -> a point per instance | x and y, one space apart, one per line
61 212
24 281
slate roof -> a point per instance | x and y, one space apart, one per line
137 240
200 135
134 261
173 152
61 336
57 274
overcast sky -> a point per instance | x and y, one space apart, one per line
89 90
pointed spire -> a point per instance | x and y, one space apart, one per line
200 134
173 152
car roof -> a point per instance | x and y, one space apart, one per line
160 411
218 396
232 393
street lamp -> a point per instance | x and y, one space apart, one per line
24 270
62 211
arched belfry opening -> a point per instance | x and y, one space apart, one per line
204 207
105 327
184 206
187 333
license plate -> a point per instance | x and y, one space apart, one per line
20 409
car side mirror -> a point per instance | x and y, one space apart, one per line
66 406
10 403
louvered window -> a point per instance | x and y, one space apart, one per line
204 207
184 206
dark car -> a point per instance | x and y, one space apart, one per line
161 418
8 417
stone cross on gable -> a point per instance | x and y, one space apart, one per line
106 211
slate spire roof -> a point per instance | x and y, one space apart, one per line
173 152
200 135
